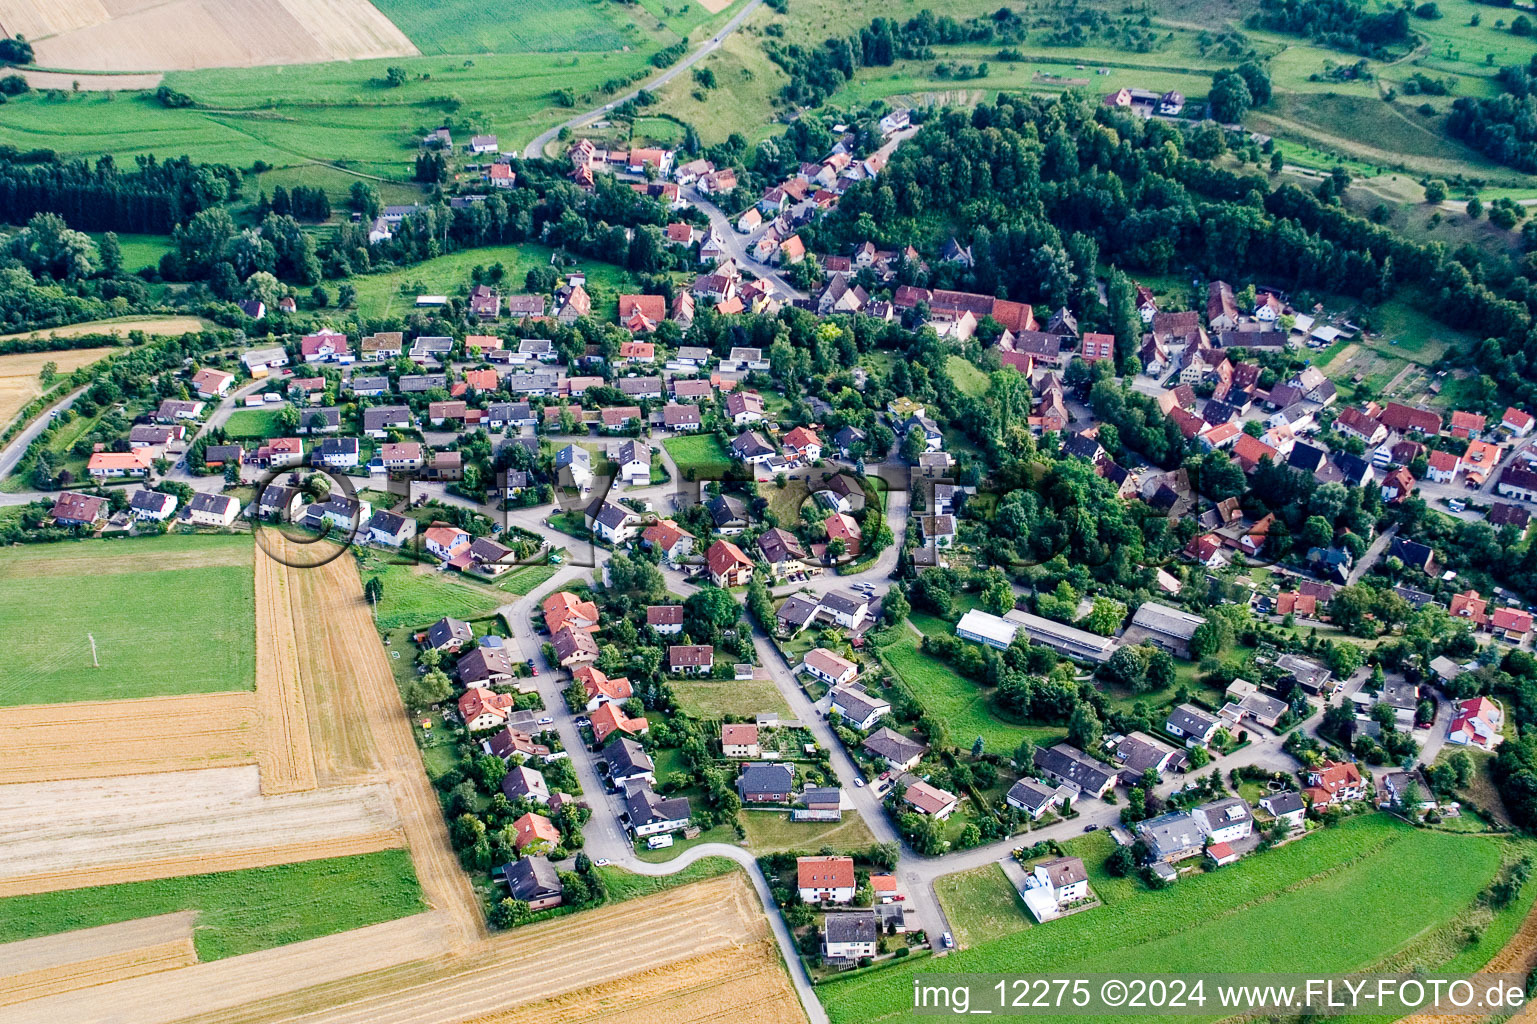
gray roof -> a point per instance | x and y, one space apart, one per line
726 509
369 384
858 704
842 602
1227 811
573 455
386 522
1074 766
1287 802
150 501
202 501
337 446
446 629
611 516
1171 834
797 610
1190 720
626 758
1303 670
646 807
822 795
1160 618
414 382
532 878
1032 794
1138 753
763 778
381 416
893 746
851 926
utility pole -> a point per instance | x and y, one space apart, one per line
94 662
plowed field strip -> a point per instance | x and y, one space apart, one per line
44 742
284 753
199 864
353 655
528 965
340 740
133 963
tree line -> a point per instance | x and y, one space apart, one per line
152 198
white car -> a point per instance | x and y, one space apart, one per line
948 941
602 862
546 720
859 783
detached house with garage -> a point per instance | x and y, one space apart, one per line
825 879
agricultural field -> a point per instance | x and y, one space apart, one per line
249 424
142 35
19 383
702 456
74 833
238 911
461 26
121 326
55 598
1410 893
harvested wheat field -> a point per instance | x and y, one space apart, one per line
123 326
18 374
93 956
89 83
747 983
239 980
285 754
47 742
154 35
61 835
345 657
527 966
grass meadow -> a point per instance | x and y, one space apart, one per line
170 615
981 905
1373 891
461 26
393 293
238 911
701 456
773 831
712 698
417 595
244 424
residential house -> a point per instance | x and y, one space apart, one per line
1226 820
599 687
830 668
751 448
1334 782
858 708
1285 806
573 647
766 783
634 460
628 761
610 718
534 833
1053 886
534 881
211 383
849 936
379 420
667 537
155 506
388 528
782 550
827 879
1192 725
666 619
896 750
485 666
1171 837
612 523
212 509
937 803
1478 722
737 741
72 509
728 566
524 783
648 814
449 634
483 709
1036 799
687 659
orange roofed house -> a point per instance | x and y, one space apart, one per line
610 718
600 689
1334 782
825 879
729 567
639 314
535 833
563 608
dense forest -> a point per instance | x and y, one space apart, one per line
1503 127
152 198
1343 24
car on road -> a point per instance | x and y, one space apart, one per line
546 720
534 671
949 942
602 862
859 783
1091 828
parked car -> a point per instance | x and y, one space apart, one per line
1091 828
949 943
546 720
859 783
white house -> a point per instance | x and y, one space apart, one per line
1225 820
825 879
830 668
858 708
1055 885
212 509
634 463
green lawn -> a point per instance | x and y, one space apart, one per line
394 292
1404 889
967 375
169 615
417 595
960 704
523 580
253 423
140 250
712 698
981 905
625 885
772 831
700 456
238 911
680 846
